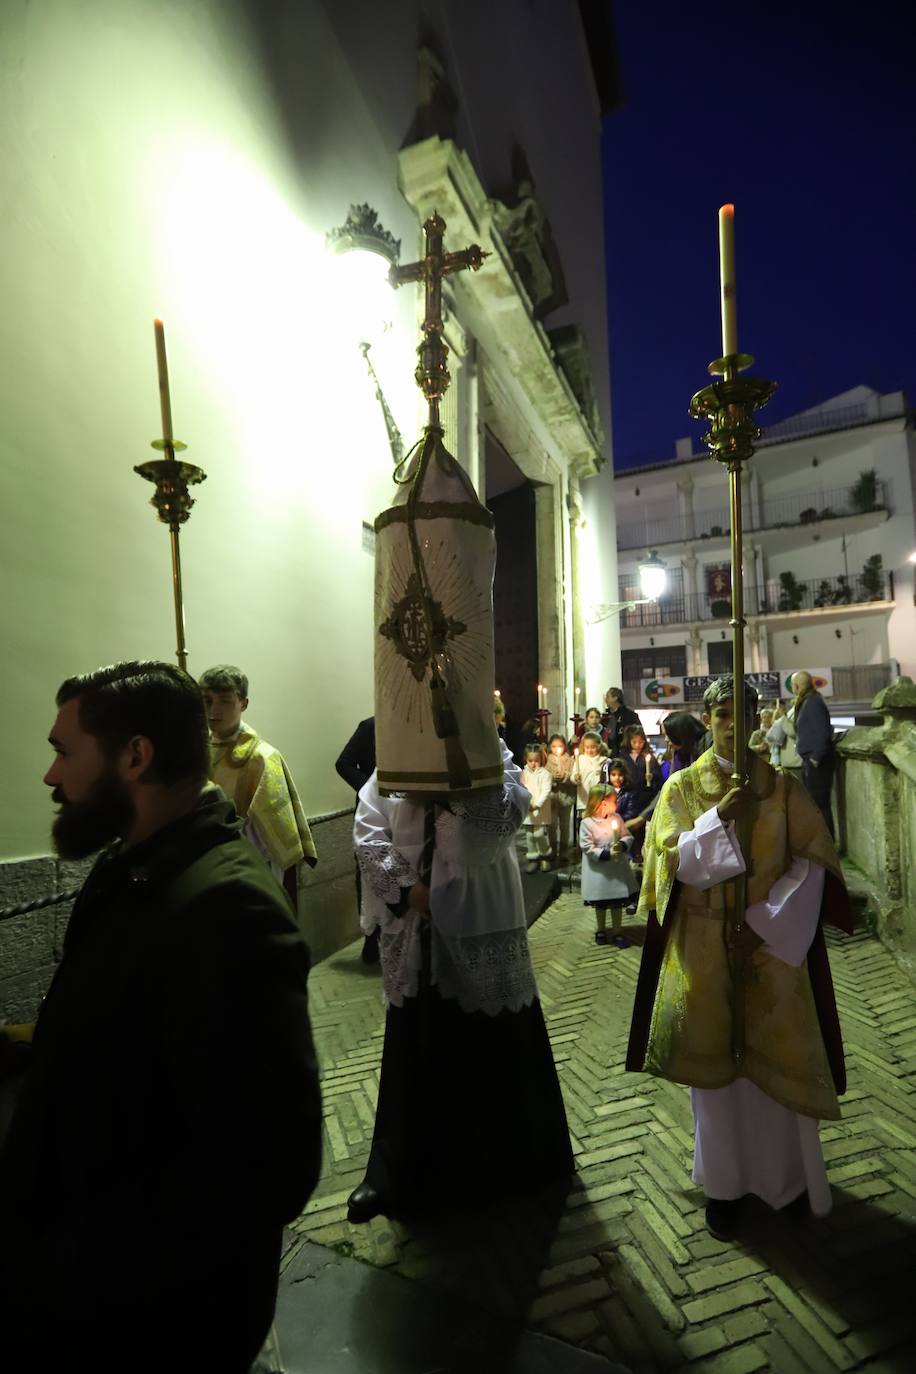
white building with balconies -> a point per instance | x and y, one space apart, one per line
829 552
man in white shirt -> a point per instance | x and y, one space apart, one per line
742 1011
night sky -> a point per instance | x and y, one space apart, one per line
811 131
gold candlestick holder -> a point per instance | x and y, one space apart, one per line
172 502
729 405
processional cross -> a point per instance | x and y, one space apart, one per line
432 372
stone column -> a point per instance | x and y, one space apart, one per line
690 565
750 498
685 506
752 577
476 430
551 580
753 634
574 499
695 646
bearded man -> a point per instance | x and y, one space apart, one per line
744 1012
169 1122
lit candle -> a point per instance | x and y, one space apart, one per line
165 404
540 692
727 280
545 697
578 690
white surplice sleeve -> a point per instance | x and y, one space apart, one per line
787 917
385 870
709 853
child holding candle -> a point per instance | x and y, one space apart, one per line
641 764
608 880
630 809
563 795
586 770
538 783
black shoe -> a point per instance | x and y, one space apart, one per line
723 1217
364 1203
369 953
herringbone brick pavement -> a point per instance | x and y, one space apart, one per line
623 1264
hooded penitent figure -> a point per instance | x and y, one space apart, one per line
469 1104
749 1024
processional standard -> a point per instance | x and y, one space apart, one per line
728 405
171 478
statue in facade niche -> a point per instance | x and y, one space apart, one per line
527 234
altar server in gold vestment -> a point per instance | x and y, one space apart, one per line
760 1048
255 778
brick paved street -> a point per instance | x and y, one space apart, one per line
623 1266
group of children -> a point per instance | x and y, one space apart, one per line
614 797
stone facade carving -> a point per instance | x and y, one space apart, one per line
437 104
571 349
527 234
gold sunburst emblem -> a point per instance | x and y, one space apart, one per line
406 627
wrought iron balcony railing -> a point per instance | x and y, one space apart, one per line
774 512
773 597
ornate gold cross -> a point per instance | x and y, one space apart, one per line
432 372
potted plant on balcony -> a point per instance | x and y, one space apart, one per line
863 494
791 593
842 594
720 608
824 595
873 578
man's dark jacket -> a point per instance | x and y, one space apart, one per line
615 722
356 762
813 730
169 1123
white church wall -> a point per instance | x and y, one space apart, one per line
861 641
152 176
186 159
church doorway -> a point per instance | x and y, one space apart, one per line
511 498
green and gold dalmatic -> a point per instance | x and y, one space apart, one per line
691 1033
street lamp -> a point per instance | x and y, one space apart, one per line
364 255
653 576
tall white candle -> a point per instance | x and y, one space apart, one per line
165 403
727 280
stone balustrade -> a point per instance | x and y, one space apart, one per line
876 812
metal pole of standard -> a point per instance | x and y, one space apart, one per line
172 503
729 406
